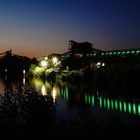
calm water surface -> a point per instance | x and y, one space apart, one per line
78 103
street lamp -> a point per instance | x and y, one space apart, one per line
44 63
54 60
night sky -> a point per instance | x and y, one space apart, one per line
40 27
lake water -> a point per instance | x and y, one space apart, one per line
78 103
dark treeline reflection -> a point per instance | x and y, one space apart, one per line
115 79
99 115
69 108
25 111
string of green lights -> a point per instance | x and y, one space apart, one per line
114 104
111 53
107 103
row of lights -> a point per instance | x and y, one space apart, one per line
116 53
119 52
107 103
44 63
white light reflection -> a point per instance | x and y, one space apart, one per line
43 90
54 93
24 82
24 72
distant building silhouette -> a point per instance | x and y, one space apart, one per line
80 55
13 63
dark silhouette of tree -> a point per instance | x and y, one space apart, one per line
14 63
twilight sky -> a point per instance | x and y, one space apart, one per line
40 27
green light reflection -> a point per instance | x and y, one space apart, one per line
116 105
124 106
134 108
129 107
104 103
112 104
86 98
89 99
108 104
92 99
120 105
66 94
100 102
138 109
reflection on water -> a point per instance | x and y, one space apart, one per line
72 99
24 81
89 99
64 93
43 90
55 93
107 103
139 109
71 96
119 105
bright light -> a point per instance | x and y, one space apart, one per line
54 59
54 93
43 90
103 64
99 63
23 71
46 58
43 63
24 81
